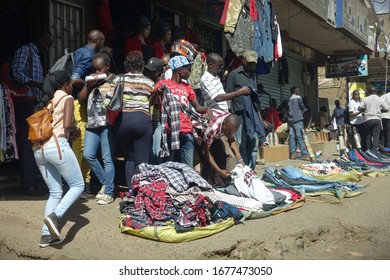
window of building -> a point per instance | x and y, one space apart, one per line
67 27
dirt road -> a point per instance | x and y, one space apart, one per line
324 228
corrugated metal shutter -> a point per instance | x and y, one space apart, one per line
271 85
276 90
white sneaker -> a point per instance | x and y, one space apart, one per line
106 199
101 192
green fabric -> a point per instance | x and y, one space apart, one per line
168 233
350 176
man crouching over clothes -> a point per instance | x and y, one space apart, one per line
212 150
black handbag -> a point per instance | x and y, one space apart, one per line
114 107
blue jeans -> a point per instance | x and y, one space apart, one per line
103 138
186 152
249 148
52 168
295 132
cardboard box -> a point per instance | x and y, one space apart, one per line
275 153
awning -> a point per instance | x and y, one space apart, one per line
310 29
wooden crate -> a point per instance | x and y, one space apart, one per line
274 153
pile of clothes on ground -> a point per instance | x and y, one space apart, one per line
170 202
293 177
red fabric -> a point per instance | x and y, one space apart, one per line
104 15
184 93
268 117
158 49
224 13
191 36
133 44
253 10
151 197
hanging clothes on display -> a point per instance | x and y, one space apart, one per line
255 28
241 39
8 147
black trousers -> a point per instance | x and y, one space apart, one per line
373 130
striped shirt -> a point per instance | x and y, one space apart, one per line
211 87
137 91
213 130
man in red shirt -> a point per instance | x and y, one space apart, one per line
184 93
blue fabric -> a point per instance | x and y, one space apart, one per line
308 184
223 210
251 120
186 152
267 46
295 135
101 138
21 65
52 168
248 147
83 62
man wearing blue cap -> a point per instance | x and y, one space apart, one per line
184 93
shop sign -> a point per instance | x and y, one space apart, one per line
346 66
352 16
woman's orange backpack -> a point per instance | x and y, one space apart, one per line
40 126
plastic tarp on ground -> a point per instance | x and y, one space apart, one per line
170 235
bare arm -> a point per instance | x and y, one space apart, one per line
232 95
70 128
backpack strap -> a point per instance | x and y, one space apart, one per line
58 121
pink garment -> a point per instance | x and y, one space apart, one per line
367 161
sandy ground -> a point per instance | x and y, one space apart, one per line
324 228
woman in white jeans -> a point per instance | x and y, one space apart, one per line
55 161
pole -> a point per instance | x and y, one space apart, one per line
386 73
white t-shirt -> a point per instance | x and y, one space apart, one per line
211 87
353 108
386 98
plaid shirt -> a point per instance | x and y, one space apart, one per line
151 197
171 110
213 130
180 175
21 68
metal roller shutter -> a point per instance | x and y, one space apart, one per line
282 92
